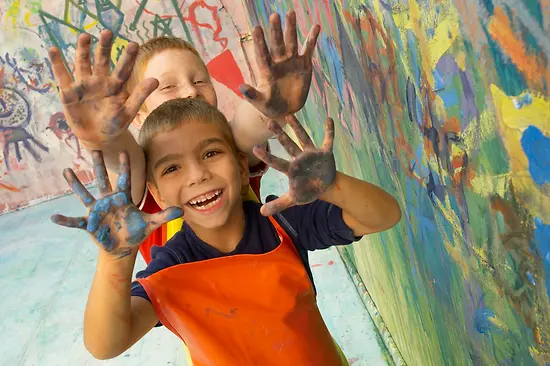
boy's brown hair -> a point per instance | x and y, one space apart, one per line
176 112
150 49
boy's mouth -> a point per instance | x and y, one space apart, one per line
206 201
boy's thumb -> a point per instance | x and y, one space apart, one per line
251 94
160 218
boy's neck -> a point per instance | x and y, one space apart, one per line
227 237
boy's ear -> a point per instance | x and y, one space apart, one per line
139 119
152 188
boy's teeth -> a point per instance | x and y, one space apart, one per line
204 197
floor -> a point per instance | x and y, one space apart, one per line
46 271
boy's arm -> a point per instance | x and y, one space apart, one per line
312 175
114 320
97 106
284 79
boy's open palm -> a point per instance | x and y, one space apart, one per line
284 75
113 221
312 170
96 104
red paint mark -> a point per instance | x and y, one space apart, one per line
330 263
192 18
224 69
316 265
351 361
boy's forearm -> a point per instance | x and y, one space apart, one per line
107 320
250 129
366 208
126 142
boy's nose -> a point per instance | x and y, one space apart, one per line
191 92
197 174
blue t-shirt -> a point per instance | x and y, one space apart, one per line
318 225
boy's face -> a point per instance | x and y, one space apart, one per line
195 168
181 74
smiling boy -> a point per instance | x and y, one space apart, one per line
232 283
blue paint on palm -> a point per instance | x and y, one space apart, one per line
103 237
137 227
103 206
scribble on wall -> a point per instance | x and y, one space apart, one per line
446 104
35 140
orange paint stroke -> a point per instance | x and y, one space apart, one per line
9 187
502 32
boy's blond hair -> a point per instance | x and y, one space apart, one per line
150 49
176 112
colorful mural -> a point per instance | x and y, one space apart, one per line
446 105
35 140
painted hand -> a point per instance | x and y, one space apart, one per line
96 104
311 172
113 221
284 75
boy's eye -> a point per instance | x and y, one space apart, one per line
166 87
198 82
170 169
211 154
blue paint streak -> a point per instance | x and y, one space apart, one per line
482 322
542 240
82 193
122 181
174 213
537 148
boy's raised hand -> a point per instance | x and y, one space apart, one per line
312 170
114 222
284 75
96 104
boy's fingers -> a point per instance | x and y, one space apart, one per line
83 66
136 100
271 160
124 177
100 173
76 185
125 64
277 205
291 35
60 72
158 219
276 36
263 58
328 141
102 59
251 94
309 47
74 222
290 146
300 132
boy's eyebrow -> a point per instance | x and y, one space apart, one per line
200 146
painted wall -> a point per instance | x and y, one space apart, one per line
446 105
36 143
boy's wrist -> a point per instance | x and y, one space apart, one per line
332 195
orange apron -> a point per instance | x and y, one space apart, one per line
245 309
